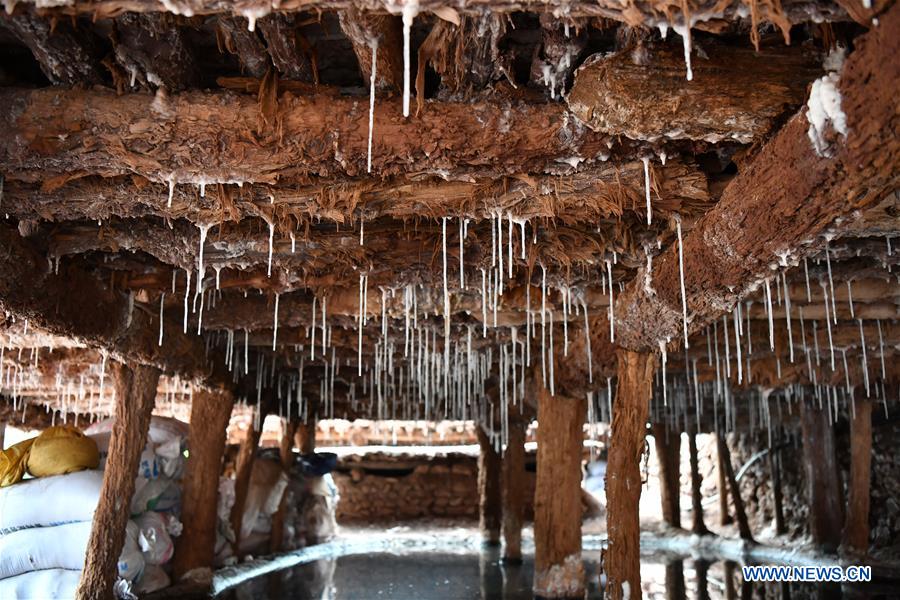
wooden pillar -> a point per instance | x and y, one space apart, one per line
490 501
558 570
513 492
135 398
243 469
668 453
740 513
286 453
195 547
701 567
856 528
777 494
722 487
306 435
697 526
623 473
675 589
826 507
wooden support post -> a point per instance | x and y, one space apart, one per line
490 503
668 453
826 502
722 487
675 589
513 492
135 398
623 473
286 453
363 28
558 570
697 525
194 549
777 494
856 527
740 513
701 567
305 437
243 470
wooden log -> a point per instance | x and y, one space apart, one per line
701 568
737 94
243 469
722 486
697 525
135 398
856 526
233 36
790 193
283 41
623 474
195 548
67 56
513 493
777 492
675 589
365 29
156 51
824 489
739 512
668 453
490 490
558 569
93 314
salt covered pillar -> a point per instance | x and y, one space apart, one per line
623 474
490 501
135 398
558 570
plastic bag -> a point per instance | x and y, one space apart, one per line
154 539
154 578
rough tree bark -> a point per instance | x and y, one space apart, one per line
558 570
623 475
135 398
364 29
490 502
243 469
194 549
513 492
668 452
722 486
826 498
740 513
697 524
856 527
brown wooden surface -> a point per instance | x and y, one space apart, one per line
623 475
698 526
490 490
243 469
668 452
513 492
856 527
823 483
736 498
135 398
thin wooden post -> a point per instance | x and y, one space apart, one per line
558 570
675 589
668 454
195 547
697 525
243 470
826 506
490 502
722 487
777 493
623 474
740 513
135 398
306 431
513 492
856 528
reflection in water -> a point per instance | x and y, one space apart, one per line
469 574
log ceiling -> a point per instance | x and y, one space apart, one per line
229 193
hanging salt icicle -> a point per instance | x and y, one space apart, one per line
664 355
483 304
806 273
769 316
162 301
171 182
685 32
201 267
359 328
587 340
828 323
681 280
737 342
409 12
544 324
509 261
830 284
646 161
565 320
865 362
446 303
324 325
271 246
373 44
612 313
312 327
850 299
187 291
881 350
552 378
462 237
275 326
499 278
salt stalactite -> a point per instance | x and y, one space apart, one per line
246 352
827 323
509 261
830 284
881 349
646 161
544 325
552 378
587 341
769 316
312 327
201 267
271 246
171 182
446 304
275 326
462 237
324 324
806 273
162 304
359 328
374 45
409 12
565 320
737 343
499 253
483 304
850 299
865 362
681 280
664 355
612 312
787 312
187 291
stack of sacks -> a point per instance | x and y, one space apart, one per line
310 508
156 503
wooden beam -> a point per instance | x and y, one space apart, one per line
698 526
558 568
737 94
668 454
823 483
856 526
740 513
135 398
789 194
623 472
514 491
195 548
155 51
55 134
367 29
74 304
490 503
283 42
234 37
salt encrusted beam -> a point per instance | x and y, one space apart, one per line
72 303
232 35
285 46
155 51
799 186
384 33
55 134
736 93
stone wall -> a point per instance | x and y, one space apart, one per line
384 488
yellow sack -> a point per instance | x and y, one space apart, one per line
60 450
12 462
